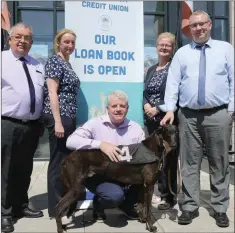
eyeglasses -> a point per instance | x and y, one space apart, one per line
164 46
27 39
201 24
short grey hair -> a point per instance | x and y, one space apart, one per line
118 94
201 12
21 25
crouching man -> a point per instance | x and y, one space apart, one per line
105 133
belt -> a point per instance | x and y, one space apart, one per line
18 120
214 109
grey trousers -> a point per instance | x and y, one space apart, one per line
212 128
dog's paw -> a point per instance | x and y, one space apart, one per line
142 220
151 228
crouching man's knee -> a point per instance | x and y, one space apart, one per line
111 198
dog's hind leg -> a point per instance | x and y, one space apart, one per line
72 209
150 220
70 197
60 227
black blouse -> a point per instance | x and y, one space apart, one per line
155 88
69 83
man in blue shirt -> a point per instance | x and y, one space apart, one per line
201 78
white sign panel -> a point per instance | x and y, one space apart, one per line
109 46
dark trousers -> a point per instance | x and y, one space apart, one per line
19 143
163 186
110 194
58 152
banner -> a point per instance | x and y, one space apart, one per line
109 54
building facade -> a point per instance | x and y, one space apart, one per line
47 17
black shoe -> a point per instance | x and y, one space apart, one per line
187 217
98 213
99 216
221 219
130 212
28 213
7 224
166 204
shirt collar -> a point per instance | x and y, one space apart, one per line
27 58
106 119
208 43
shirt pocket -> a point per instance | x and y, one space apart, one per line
39 85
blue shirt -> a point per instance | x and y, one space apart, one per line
183 75
57 68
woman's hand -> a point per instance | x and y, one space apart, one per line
59 130
147 107
151 112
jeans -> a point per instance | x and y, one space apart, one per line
110 194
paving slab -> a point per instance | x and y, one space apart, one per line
38 168
166 221
116 222
41 225
203 223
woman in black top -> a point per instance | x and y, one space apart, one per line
59 112
154 91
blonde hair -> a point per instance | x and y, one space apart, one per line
58 37
118 94
200 12
168 35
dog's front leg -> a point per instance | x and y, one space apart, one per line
140 206
150 221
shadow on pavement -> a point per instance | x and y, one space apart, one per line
39 202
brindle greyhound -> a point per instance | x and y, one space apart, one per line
79 164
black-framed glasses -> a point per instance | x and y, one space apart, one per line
27 39
201 24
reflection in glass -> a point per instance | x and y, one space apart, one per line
59 3
153 6
42 35
60 20
220 29
220 8
200 5
185 40
36 3
153 26
173 16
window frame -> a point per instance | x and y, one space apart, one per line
53 9
211 12
164 13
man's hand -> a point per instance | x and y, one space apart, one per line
168 117
152 112
112 151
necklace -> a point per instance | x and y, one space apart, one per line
162 67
